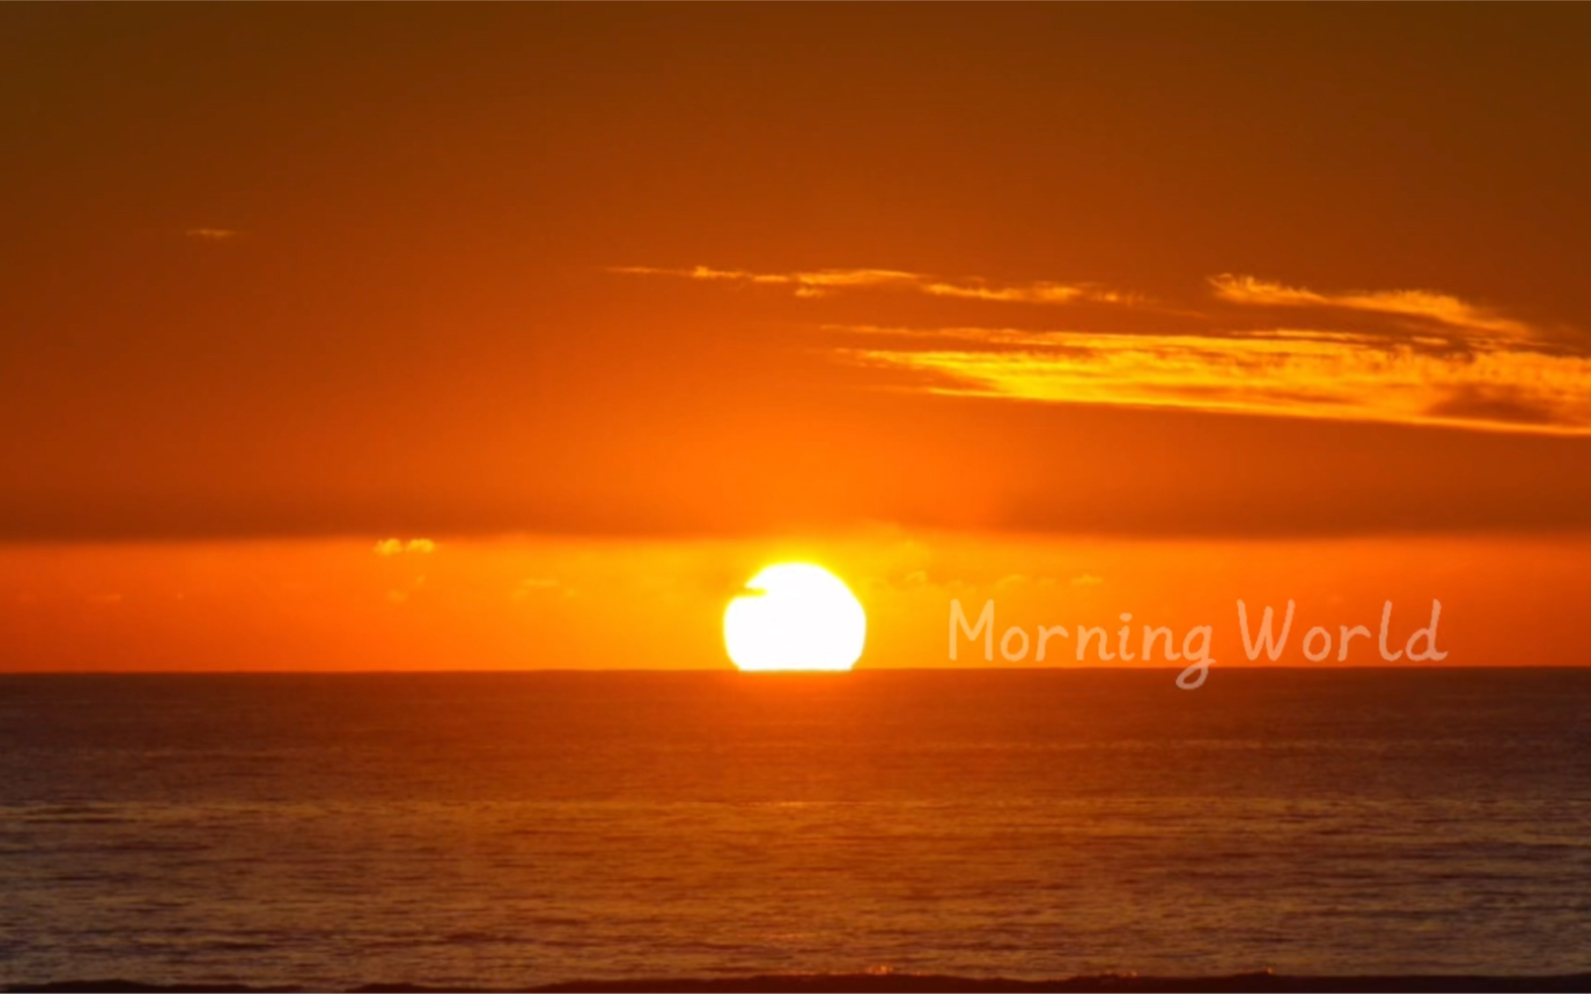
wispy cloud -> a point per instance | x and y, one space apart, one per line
397 546
821 282
1250 346
1438 308
1279 373
211 234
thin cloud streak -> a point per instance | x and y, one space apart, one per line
1410 357
822 282
1440 308
1298 373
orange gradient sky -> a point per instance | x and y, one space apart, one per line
615 304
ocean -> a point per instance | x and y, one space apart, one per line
517 829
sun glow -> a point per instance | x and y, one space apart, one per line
795 616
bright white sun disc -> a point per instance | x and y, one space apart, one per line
795 616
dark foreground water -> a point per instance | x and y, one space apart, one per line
518 829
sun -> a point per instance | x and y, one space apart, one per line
795 616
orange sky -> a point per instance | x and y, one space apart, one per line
583 603
688 286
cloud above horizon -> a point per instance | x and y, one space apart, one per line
1275 373
1409 357
397 546
1439 308
823 282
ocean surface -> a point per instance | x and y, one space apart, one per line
507 830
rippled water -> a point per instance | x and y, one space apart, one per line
528 828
